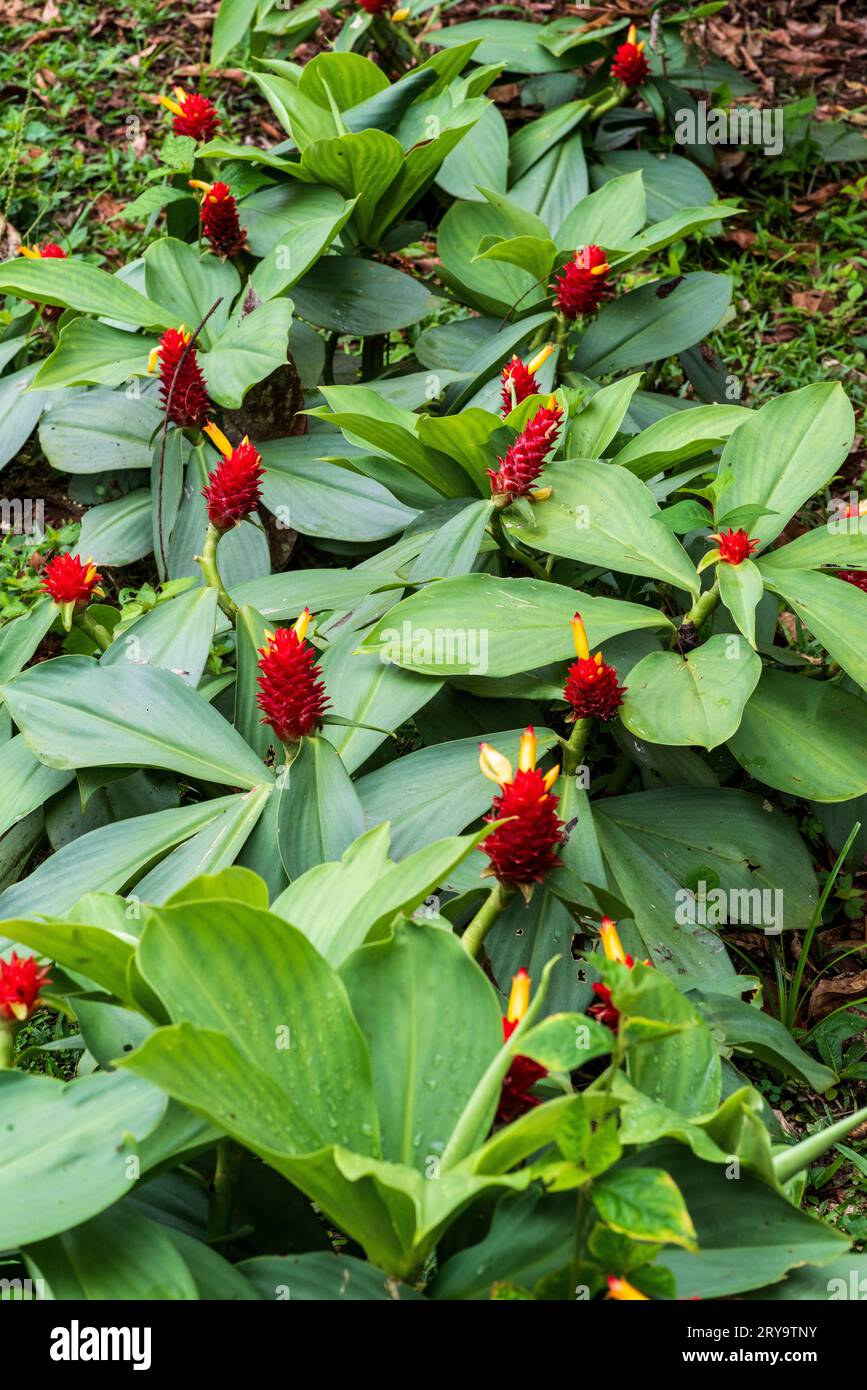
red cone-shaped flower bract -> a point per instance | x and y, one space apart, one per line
524 849
220 222
70 580
515 375
193 115
291 696
592 689
581 286
190 406
234 488
21 979
630 66
525 459
515 1097
735 546
374 6
856 577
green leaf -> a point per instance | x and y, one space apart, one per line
496 627
686 434
741 587
249 349
644 1204
319 1276
100 431
423 1074
348 295
653 322
319 813
599 514
682 1071
118 1254
175 636
786 451
308 225
176 274
74 713
92 352
592 429
833 610
67 1156
697 699
25 783
118 533
610 217
73 284
805 737
751 1031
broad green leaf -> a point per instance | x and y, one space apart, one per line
348 295
755 1033
661 234
67 1156
841 541
118 1254
423 1074
831 609
25 783
21 405
533 140
287 595
681 1071
175 636
805 737
602 515
176 274
741 588
107 859
481 158
697 699
785 452
359 165
212 848
685 435
99 432
74 284
307 228
319 498
319 813
670 182
592 429
653 322
118 533
99 954
88 352
644 1204
249 349
497 627
610 217
75 713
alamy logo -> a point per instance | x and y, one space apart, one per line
77 1343
744 125
439 646
21 1290
714 907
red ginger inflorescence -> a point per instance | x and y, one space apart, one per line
48 251
193 114
524 460
734 546
70 580
524 849
291 696
374 6
582 285
219 215
856 577
518 379
591 684
234 487
630 65
189 406
604 1011
515 1097
21 979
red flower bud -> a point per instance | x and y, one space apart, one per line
234 487
581 286
68 580
291 697
525 459
734 546
515 1098
630 66
220 222
374 6
193 114
21 979
604 1011
522 850
856 577
591 685
190 406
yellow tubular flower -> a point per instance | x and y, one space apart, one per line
302 624
611 944
602 269
32 253
217 437
624 1292
540 359
173 105
494 766
400 14
519 998
527 751
579 633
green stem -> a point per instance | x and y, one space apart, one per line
618 94
703 606
7 1047
208 565
99 634
561 342
573 750
486 916
229 1159
525 561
